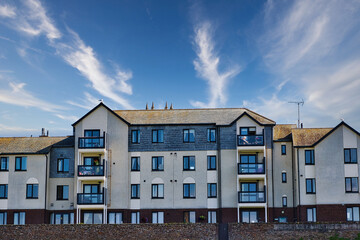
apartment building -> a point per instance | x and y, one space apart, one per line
181 165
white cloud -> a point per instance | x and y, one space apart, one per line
67 118
88 103
5 128
7 11
207 67
17 95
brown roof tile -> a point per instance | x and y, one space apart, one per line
31 145
282 132
307 137
219 116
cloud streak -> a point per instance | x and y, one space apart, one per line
7 11
207 67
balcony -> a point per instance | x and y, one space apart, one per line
86 170
90 198
251 168
252 197
91 142
250 140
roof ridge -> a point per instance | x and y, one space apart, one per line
130 110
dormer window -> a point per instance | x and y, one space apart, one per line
246 131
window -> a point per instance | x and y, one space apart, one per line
351 185
158 163
4 164
92 133
248 131
249 216
211 217
283 149
135 217
311 214
310 186
283 177
158 217
189 217
19 218
135 136
189 190
352 214
91 161
189 135
157 191
3 191
309 157
212 193
32 191
135 191
211 162
284 201
135 164
62 192
63 165
158 136
20 163
350 155
62 218
250 164
3 218
211 135
115 218
189 163
93 218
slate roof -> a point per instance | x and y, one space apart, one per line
32 145
308 137
218 116
282 132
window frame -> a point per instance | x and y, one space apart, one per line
312 157
115 217
22 161
137 217
20 216
135 187
189 185
137 164
190 217
313 214
137 140
61 162
157 213
5 189
284 201
70 216
211 216
62 198
156 196
249 133
283 149
3 218
209 135
28 192
351 151
6 164
352 214
158 133
209 161
351 184
210 192
312 189
283 177
188 133
157 169
188 160
92 132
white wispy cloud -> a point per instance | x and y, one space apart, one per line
207 66
7 129
87 103
67 117
17 95
7 11
311 47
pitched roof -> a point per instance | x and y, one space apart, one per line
308 137
282 132
32 145
218 116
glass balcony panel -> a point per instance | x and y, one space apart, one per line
90 198
91 142
252 197
86 170
258 168
250 140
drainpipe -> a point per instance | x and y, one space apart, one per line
219 173
298 172
46 190
293 179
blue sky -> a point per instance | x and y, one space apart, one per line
58 58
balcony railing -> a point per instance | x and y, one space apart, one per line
250 140
252 197
90 198
251 168
92 170
91 142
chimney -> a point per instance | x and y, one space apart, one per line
152 106
166 107
147 107
302 125
42 132
171 107
47 133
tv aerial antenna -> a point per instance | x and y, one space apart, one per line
298 103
